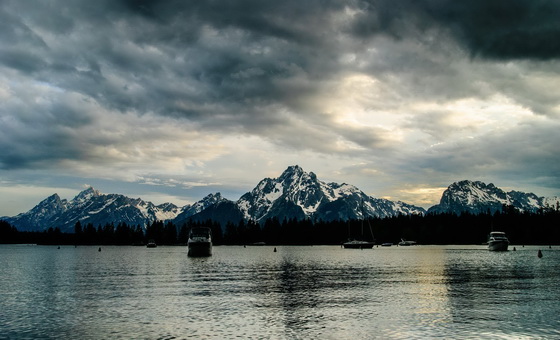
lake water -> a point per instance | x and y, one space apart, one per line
321 292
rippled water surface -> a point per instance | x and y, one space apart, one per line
296 293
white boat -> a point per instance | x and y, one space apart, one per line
151 244
498 241
405 243
357 244
200 242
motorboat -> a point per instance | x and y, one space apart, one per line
386 244
200 242
151 244
498 241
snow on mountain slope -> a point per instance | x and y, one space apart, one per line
477 197
196 208
91 206
551 202
305 196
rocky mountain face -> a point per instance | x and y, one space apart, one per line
47 212
90 206
214 207
294 194
477 197
298 194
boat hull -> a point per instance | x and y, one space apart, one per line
498 245
358 245
200 249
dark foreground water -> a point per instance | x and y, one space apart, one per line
325 292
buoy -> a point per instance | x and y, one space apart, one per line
539 254
58 247
514 249
549 247
275 249
99 249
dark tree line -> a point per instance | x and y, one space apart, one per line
542 227
109 234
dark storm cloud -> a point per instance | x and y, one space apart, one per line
243 52
505 29
32 140
498 29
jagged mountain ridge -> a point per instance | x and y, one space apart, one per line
294 194
214 207
91 206
298 194
476 197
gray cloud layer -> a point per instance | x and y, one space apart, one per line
85 82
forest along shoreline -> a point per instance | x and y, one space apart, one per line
521 227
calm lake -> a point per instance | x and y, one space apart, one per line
320 292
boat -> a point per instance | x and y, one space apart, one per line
258 244
151 244
386 244
360 244
357 244
405 243
200 242
498 241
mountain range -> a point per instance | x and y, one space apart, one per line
294 194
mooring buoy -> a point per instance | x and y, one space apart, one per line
275 249
514 249
99 249
539 254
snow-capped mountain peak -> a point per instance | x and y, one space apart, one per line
210 201
207 201
298 194
91 206
478 197
86 195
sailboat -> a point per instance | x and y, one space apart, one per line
361 243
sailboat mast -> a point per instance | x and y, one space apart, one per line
363 216
369 225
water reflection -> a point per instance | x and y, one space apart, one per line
501 293
295 293
306 295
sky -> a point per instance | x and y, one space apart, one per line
173 100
